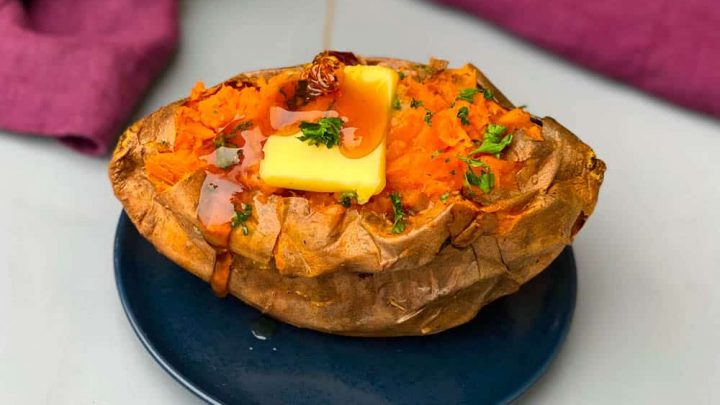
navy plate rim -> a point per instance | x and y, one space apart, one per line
122 227
562 336
123 222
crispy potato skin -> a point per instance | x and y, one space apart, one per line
338 270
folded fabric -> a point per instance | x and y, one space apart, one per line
668 48
75 69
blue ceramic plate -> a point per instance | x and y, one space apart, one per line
207 343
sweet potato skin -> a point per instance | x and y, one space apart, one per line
338 270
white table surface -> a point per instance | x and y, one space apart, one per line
647 324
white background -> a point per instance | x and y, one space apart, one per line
647 324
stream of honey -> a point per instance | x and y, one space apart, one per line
328 24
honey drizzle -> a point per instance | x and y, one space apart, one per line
220 279
328 23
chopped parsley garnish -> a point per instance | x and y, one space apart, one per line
428 117
401 75
492 143
347 197
396 104
463 115
244 126
467 95
470 161
522 107
222 139
444 197
436 153
324 132
485 180
399 221
240 218
488 94
415 103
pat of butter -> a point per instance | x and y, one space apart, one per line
293 164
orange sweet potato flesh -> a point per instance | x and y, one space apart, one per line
339 270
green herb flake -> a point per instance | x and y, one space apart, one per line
240 218
399 213
522 107
396 104
495 130
415 103
347 197
488 94
221 140
485 180
492 143
244 126
324 132
471 179
463 115
428 117
401 75
436 153
444 197
467 95
470 161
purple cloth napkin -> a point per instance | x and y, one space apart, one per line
669 48
75 69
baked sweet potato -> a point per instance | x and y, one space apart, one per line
451 232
